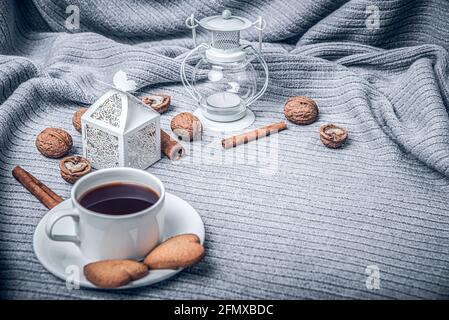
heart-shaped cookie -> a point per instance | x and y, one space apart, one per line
114 273
180 251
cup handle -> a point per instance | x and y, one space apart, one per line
58 215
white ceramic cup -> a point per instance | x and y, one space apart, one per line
102 236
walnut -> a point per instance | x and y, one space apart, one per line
186 126
73 168
53 142
333 136
159 102
301 110
76 119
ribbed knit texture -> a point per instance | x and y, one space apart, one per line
304 223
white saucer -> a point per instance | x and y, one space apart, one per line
57 257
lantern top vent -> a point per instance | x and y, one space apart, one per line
225 22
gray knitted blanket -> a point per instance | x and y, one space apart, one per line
369 220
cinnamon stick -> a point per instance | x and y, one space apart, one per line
170 147
43 193
243 138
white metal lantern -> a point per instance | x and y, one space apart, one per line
120 131
224 81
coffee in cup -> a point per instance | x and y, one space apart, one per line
119 198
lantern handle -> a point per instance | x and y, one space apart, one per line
260 25
190 89
192 23
265 68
